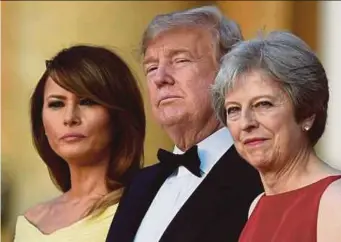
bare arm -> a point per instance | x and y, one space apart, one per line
329 214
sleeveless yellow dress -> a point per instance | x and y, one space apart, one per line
84 230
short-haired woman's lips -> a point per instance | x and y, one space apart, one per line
254 141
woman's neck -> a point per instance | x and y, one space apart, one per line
88 181
303 169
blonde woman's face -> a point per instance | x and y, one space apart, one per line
77 129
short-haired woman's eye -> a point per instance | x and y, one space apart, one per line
232 110
263 104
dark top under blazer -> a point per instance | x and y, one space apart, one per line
216 211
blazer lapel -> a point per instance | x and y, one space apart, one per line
135 203
218 193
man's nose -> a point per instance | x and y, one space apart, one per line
163 76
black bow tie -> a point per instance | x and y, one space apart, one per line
189 159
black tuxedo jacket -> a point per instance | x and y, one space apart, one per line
216 211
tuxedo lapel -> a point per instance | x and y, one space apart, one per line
216 211
218 196
135 203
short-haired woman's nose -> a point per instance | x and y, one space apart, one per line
248 120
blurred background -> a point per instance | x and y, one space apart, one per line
33 31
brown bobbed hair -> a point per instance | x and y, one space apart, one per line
101 75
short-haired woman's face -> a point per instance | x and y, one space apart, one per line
77 129
260 117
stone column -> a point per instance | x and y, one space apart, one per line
330 53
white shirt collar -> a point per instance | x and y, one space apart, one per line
210 149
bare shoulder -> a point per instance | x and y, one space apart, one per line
334 189
329 214
37 212
332 195
254 203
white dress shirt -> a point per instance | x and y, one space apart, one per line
178 187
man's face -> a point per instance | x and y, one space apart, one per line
180 65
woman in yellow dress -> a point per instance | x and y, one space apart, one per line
88 126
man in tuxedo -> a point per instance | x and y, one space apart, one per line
203 191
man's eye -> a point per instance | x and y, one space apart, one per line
151 69
55 104
182 60
87 102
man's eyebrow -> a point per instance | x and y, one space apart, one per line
170 53
180 51
148 60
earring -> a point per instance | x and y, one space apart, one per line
306 128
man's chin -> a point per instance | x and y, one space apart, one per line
170 120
